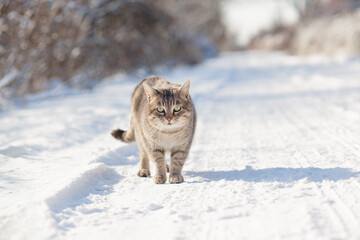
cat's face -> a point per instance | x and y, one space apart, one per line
169 108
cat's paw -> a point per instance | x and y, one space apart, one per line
176 178
144 173
159 179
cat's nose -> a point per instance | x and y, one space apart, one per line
169 119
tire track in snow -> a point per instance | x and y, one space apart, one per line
349 142
288 124
345 143
336 216
298 120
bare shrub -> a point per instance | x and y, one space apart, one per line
278 38
332 35
325 27
82 41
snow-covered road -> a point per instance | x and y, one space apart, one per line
276 155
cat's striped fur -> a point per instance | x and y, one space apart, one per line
163 120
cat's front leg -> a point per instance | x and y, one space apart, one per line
178 158
158 157
144 170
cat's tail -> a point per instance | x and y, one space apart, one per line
124 136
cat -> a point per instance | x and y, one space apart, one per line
163 120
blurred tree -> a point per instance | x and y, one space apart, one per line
82 41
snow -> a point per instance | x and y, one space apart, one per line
276 155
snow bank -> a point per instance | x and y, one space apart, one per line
97 180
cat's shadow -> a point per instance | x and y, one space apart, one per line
278 174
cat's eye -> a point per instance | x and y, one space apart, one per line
177 108
160 109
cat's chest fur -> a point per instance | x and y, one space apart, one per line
167 141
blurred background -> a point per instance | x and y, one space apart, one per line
80 42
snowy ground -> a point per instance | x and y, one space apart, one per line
276 156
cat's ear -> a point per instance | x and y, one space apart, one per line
184 89
150 92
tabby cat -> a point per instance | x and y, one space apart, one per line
163 120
